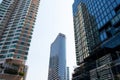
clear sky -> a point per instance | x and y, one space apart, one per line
54 16
0 1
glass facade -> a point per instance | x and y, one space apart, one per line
68 74
106 14
86 33
57 63
97 39
17 18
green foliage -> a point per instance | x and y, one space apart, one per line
21 73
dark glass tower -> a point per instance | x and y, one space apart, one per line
97 39
57 63
17 18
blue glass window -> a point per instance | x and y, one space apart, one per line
106 18
102 16
111 7
105 5
104 1
110 16
105 13
114 4
118 1
108 10
98 26
101 23
104 21
111 1
103 35
108 2
113 13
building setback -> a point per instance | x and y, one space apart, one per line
57 62
17 18
97 39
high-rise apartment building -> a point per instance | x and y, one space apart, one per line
17 18
57 63
97 39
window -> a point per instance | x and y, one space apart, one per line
22 43
6 47
113 13
17 56
14 41
16 37
12 46
110 16
103 35
7 43
25 58
114 4
118 1
3 52
2 56
10 55
12 50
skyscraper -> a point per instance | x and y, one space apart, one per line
57 63
17 18
86 34
68 74
97 39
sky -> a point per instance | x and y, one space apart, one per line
54 17
0 1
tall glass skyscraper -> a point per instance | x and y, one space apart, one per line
17 18
57 63
97 39
68 74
